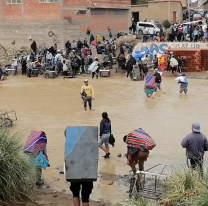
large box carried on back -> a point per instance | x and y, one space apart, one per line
81 154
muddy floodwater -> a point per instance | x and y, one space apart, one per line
51 105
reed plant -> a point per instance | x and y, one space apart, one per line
17 170
185 187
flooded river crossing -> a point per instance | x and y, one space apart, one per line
51 105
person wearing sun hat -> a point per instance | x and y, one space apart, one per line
196 145
87 94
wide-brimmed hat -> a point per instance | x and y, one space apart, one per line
86 80
196 127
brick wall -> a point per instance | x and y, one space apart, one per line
204 59
19 21
196 59
30 11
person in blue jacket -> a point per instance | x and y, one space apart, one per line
105 132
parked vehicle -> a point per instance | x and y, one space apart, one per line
141 26
197 17
200 11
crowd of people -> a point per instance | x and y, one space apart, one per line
188 32
195 143
177 32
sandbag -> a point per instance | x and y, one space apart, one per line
173 62
81 154
181 79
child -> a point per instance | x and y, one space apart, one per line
158 80
184 85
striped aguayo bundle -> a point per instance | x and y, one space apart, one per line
150 82
140 139
36 143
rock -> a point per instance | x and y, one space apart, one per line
111 183
55 195
61 172
119 155
63 190
54 192
47 186
100 176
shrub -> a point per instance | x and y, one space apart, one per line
186 187
17 170
140 202
166 24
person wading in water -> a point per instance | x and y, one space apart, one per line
105 132
87 93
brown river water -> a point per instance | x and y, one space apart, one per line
51 105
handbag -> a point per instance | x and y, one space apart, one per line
112 140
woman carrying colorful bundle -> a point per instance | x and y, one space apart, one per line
149 87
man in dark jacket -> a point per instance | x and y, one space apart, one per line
24 66
196 144
1 73
34 47
130 65
79 45
155 62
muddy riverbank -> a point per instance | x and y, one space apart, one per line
51 105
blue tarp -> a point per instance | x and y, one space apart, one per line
138 55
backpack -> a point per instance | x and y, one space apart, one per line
140 139
150 82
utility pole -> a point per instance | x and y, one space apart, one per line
189 15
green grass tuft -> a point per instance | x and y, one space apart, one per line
17 170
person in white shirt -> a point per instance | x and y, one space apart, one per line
74 45
49 56
58 57
65 68
15 63
151 32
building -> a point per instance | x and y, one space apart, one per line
160 10
26 20
205 5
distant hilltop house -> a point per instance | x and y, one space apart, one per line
161 10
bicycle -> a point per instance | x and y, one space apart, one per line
151 188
